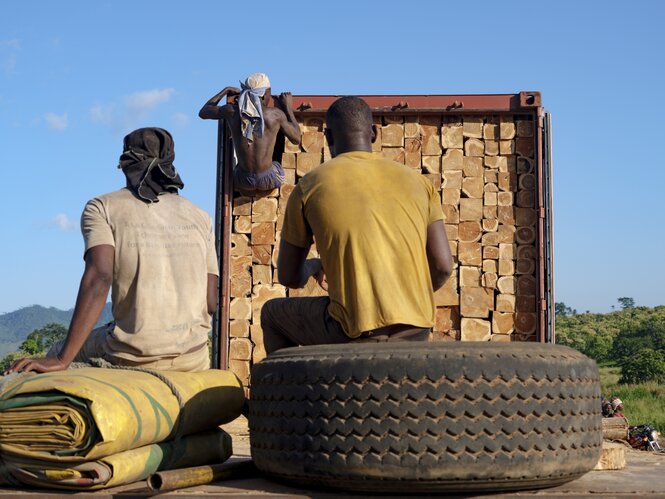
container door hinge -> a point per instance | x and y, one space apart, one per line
530 99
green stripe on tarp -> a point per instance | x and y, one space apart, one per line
158 409
43 400
14 388
139 421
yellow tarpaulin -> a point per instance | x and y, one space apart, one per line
85 414
129 466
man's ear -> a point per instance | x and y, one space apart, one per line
375 133
330 138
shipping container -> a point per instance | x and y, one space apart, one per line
489 156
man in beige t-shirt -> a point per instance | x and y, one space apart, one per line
156 250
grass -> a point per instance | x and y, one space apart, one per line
644 403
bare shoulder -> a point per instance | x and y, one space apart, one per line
274 114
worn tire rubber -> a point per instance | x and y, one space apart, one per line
426 417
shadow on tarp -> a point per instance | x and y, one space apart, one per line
100 438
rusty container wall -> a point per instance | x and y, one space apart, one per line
483 155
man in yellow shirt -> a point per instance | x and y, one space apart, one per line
379 230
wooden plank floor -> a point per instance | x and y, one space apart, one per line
643 477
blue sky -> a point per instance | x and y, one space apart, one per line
76 75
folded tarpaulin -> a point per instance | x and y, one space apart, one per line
209 447
84 414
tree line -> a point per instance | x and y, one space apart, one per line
632 338
36 344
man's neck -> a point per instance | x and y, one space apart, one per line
360 146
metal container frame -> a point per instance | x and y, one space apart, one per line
527 104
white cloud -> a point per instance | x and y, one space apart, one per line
181 119
10 63
56 122
12 44
141 102
101 114
9 49
129 110
63 222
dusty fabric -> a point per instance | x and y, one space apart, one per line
81 415
95 347
257 80
147 162
369 216
267 180
163 254
209 447
250 105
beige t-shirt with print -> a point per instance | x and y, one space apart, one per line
164 252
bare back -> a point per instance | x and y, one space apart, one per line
255 156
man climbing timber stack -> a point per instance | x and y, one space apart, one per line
156 250
254 127
379 229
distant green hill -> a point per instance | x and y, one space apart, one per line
16 326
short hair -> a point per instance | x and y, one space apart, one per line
349 114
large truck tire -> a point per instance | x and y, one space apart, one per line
426 417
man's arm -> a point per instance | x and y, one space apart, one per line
93 290
211 110
293 267
289 125
212 293
438 254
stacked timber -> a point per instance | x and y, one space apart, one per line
257 223
615 429
612 457
488 198
483 168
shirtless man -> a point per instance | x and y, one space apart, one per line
254 127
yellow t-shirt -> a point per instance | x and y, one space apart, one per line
369 216
164 252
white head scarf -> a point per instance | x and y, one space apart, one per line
249 104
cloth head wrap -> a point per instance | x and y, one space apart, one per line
249 104
147 162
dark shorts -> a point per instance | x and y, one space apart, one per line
288 322
267 180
